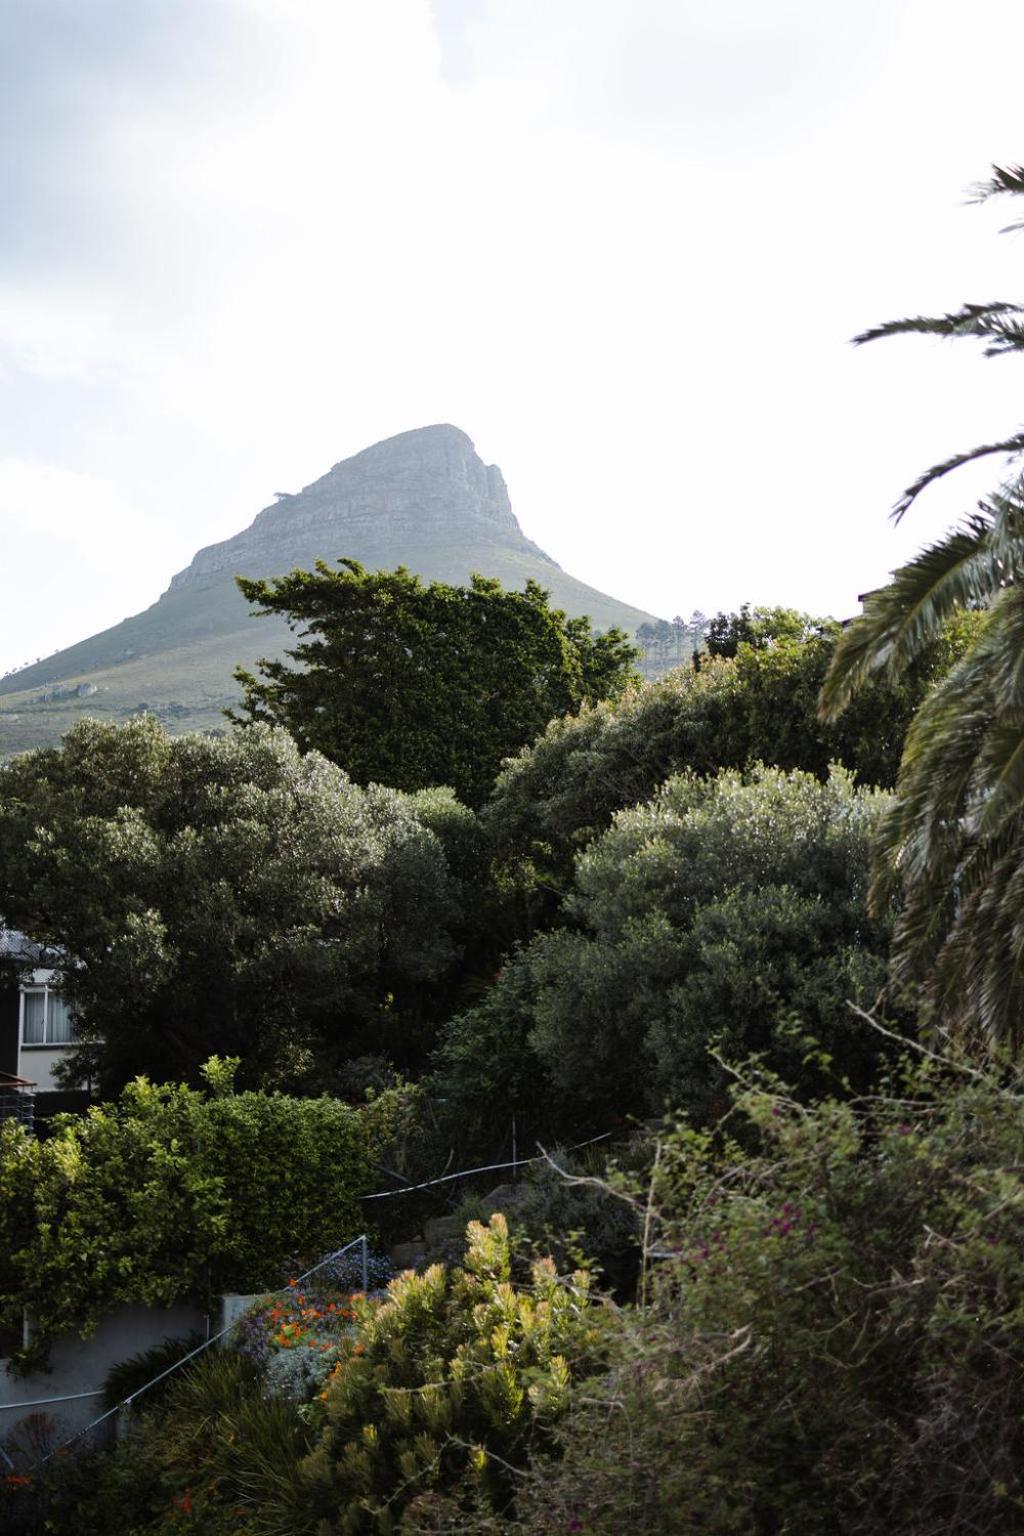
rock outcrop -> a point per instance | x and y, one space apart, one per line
424 494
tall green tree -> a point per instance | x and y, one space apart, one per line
225 896
953 844
415 685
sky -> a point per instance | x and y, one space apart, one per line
622 245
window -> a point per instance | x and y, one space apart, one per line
45 1017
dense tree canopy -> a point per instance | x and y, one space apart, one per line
228 896
761 705
760 628
413 685
717 913
954 843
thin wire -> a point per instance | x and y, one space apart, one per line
43 1402
464 1173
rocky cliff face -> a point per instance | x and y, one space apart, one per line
420 491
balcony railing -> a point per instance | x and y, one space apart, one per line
18 1100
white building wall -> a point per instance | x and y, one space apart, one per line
68 1396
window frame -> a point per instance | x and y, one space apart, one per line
46 1043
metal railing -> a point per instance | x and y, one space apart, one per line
18 1101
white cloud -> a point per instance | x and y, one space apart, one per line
79 560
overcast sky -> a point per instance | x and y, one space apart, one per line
621 243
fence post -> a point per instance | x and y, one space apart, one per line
366 1263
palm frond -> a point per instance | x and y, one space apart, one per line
1013 446
1005 507
950 850
1006 335
982 321
938 774
920 848
1000 649
904 617
982 965
1000 767
938 783
1005 180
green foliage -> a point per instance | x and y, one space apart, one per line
553 798
442 1392
228 896
759 629
447 1387
208 1458
413 685
833 1330
724 912
564 1207
170 1194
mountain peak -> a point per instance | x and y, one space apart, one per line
423 499
423 490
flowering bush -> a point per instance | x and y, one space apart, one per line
443 1389
834 1327
299 1318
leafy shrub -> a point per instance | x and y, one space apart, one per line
207 1458
570 1211
834 1331
299 1373
172 1193
446 1387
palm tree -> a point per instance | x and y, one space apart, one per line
952 847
